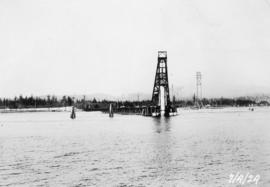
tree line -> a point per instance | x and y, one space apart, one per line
52 101
35 102
222 102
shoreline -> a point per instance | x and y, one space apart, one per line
69 109
22 110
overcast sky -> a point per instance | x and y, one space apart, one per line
110 46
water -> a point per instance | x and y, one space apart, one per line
196 148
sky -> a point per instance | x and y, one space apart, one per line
110 46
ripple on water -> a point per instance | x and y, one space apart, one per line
67 154
127 151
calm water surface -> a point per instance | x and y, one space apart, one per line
196 148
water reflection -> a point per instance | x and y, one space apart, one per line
162 124
162 154
193 149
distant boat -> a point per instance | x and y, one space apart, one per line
73 114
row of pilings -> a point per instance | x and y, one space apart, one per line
144 110
136 110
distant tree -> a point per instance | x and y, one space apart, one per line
64 101
69 101
194 98
96 106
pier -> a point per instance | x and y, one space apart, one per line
160 103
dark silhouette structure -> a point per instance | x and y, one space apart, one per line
161 80
111 110
73 114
